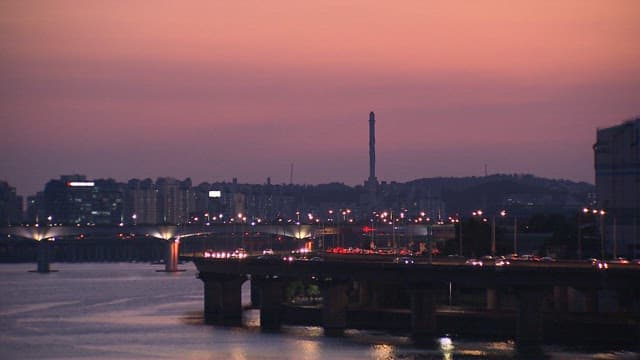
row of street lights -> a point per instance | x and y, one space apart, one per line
597 212
501 213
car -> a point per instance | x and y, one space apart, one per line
267 252
239 253
620 260
547 259
600 264
501 261
208 253
474 262
404 260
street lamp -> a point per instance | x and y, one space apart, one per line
298 225
458 220
584 211
602 213
502 213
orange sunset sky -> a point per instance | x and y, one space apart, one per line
219 89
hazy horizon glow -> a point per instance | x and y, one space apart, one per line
216 90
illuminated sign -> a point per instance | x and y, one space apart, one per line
215 194
81 184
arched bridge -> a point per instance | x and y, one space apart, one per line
173 233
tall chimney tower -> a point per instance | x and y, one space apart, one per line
372 149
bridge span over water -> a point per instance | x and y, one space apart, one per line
532 298
173 234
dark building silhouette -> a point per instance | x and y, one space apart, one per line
10 205
73 199
617 167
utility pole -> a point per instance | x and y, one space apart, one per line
515 235
460 246
493 235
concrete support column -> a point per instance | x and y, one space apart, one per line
591 300
255 291
561 299
223 299
271 292
334 307
171 257
492 299
635 311
44 256
365 293
529 328
423 315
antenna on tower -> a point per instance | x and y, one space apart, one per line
291 175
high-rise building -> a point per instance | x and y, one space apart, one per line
142 202
10 205
617 168
175 200
74 200
35 208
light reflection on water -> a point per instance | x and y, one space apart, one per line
129 311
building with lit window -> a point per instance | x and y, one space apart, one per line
75 200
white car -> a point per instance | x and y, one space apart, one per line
474 262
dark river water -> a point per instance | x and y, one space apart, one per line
130 311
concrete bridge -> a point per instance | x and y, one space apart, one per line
172 234
572 289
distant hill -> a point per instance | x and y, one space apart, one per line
520 193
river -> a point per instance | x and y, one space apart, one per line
132 311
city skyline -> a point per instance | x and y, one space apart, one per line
217 91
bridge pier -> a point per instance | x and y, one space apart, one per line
44 256
635 311
222 299
423 315
271 292
529 327
561 299
334 306
171 255
255 291
492 299
591 300
364 293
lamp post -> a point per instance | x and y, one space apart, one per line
502 213
372 244
393 233
298 225
602 213
330 219
458 220
515 235
615 241
584 211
